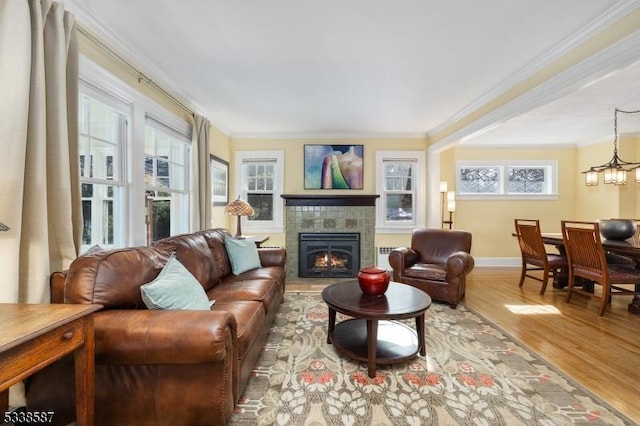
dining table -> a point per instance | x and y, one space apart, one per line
629 248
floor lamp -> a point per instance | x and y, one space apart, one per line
451 203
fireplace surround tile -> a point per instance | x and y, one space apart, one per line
329 223
334 213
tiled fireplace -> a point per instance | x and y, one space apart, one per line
344 216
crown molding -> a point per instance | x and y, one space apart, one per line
614 14
606 62
135 58
526 146
329 136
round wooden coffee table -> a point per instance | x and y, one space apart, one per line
372 335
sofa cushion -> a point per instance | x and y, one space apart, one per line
264 291
243 255
174 288
112 278
192 250
215 240
249 318
427 271
275 273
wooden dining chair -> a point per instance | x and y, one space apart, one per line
534 254
587 259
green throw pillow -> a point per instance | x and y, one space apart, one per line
243 255
175 288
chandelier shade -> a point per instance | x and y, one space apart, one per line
615 170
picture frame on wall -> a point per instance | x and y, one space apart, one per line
333 166
219 181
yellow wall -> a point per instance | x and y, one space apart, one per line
88 49
491 221
294 172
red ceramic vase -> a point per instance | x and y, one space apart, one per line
373 281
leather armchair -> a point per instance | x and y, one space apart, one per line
437 262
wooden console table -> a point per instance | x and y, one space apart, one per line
34 336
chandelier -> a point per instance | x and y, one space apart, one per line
615 170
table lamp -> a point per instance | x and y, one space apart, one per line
239 208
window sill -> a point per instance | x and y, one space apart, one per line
510 197
396 229
262 229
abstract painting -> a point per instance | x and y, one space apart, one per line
333 166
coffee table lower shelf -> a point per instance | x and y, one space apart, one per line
395 342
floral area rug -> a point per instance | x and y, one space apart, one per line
473 374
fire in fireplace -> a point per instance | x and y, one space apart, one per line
333 261
323 255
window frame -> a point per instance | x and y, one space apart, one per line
180 193
277 156
503 166
98 79
119 180
419 180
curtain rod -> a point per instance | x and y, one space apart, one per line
132 68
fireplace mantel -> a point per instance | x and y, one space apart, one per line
329 200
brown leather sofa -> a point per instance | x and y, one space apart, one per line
165 367
437 262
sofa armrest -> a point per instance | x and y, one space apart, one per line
163 336
56 285
272 256
459 264
402 257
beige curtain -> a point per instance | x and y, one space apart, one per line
200 175
39 168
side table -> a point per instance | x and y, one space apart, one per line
36 335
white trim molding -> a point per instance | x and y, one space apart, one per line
619 55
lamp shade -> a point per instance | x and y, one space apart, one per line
239 207
591 177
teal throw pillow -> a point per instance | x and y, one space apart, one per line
175 288
243 255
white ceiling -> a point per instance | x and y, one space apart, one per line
375 67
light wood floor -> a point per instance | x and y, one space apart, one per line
601 353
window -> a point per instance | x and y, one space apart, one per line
527 180
260 179
401 188
166 154
480 180
134 161
507 178
103 134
